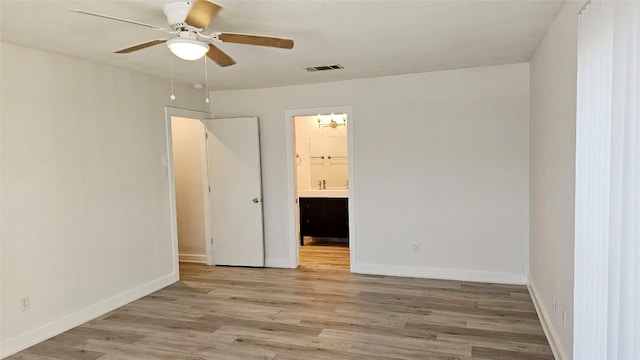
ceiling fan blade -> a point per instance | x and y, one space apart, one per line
219 57
256 40
117 19
140 46
201 13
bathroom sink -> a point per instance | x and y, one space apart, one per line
337 193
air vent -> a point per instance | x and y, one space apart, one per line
325 67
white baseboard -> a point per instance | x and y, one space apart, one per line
59 326
549 331
193 258
446 274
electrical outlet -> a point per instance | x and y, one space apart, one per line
24 303
555 304
415 247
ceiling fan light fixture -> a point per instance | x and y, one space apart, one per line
188 49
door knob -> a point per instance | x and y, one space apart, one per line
256 200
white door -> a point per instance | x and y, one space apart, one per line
233 151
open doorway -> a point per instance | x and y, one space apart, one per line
216 205
321 185
197 225
191 188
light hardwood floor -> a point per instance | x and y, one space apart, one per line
321 253
257 313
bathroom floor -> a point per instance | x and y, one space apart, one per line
324 253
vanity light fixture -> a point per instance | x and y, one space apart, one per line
332 121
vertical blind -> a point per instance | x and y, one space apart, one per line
607 204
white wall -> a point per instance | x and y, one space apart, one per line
189 161
552 175
85 206
304 127
440 158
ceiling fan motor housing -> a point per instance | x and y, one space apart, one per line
176 13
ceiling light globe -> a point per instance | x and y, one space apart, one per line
187 49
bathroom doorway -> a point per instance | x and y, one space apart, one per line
321 185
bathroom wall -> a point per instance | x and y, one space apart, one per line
307 131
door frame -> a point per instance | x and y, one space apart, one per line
170 112
292 205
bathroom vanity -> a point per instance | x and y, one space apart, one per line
324 213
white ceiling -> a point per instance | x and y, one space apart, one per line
369 38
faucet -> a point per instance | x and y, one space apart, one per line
324 184
319 184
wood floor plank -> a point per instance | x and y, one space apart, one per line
322 253
314 351
135 352
476 333
56 349
204 350
26 356
499 354
498 344
516 326
257 313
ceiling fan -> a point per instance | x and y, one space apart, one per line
187 22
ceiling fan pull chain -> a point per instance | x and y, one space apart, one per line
206 81
173 96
